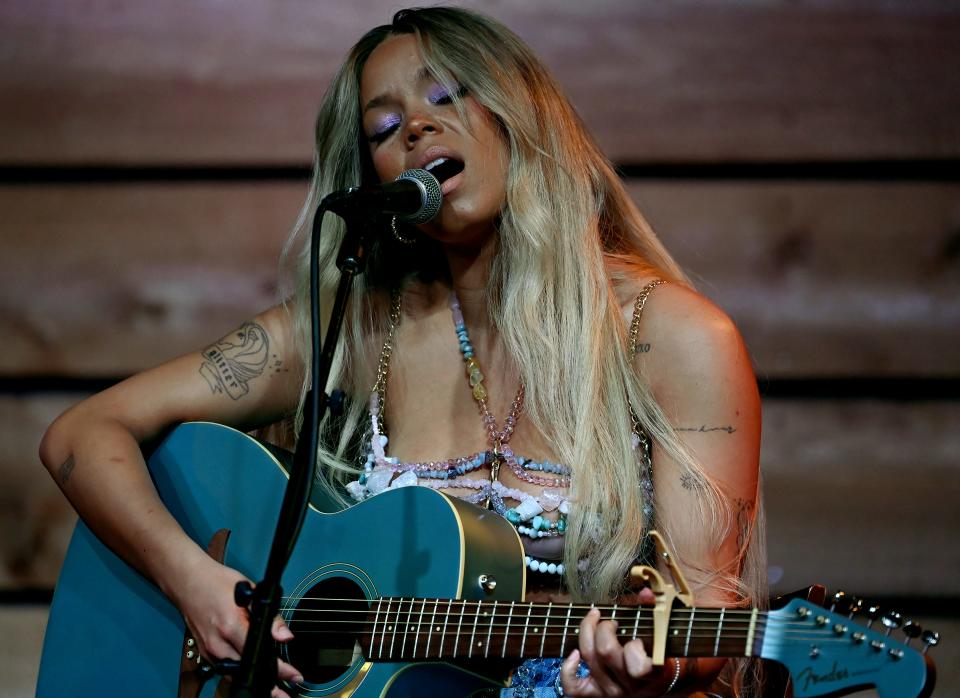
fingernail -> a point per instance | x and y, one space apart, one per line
298 679
286 633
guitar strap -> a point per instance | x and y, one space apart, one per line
194 672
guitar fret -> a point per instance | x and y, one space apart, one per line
526 625
383 633
396 625
406 629
389 617
716 644
473 634
373 632
686 644
546 625
433 618
506 634
493 616
446 618
416 638
456 640
748 648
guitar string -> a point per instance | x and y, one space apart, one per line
776 641
731 634
727 633
559 609
733 625
523 604
729 618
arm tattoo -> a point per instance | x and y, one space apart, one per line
703 429
237 359
689 482
66 468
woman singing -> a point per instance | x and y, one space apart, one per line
533 349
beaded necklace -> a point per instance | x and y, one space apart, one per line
379 469
498 438
382 471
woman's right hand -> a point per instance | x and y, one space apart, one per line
205 599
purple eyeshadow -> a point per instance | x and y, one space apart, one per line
437 93
386 123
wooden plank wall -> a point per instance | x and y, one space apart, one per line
801 158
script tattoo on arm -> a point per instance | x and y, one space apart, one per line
237 359
704 429
66 468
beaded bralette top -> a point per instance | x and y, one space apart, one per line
540 519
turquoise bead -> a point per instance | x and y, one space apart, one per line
537 522
513 516
562 524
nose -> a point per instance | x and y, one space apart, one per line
420 125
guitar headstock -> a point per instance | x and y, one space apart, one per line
827 653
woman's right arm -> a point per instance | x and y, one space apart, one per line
248 378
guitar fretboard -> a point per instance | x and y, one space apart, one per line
410 629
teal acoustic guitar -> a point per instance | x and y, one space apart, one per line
393 597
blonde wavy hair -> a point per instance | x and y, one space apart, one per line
569 238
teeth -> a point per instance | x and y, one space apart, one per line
430 165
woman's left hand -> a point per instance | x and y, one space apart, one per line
615 669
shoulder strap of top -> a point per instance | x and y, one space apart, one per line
638 311
647 553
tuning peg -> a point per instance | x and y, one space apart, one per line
840 602
873 612
911 630
930 638
856 605
891 621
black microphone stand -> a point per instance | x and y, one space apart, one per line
256 674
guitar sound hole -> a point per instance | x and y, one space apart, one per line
327 623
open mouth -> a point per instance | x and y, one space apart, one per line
444 168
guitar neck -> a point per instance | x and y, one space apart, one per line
417 629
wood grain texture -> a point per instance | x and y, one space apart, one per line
823 280
860 495
107 280
703 80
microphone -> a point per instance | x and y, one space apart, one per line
414 197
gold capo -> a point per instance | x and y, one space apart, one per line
665 594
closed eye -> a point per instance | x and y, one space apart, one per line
384 127
440 95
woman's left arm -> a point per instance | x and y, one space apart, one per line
700 373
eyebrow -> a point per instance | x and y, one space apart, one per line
380 100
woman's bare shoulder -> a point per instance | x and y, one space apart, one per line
682 332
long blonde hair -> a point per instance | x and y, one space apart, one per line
569 236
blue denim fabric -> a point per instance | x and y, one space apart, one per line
538 678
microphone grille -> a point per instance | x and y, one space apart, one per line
430 196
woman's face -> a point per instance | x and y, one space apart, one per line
410 121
